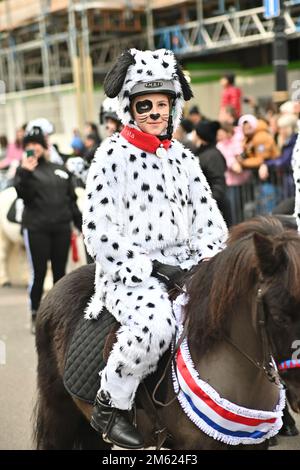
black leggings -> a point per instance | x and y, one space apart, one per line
41 247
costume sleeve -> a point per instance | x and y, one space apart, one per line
103 234
23 183
207 228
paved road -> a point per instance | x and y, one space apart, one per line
18 377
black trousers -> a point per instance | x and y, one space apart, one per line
41 247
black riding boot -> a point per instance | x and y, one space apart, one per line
114 425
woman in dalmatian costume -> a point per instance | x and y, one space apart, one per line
147 200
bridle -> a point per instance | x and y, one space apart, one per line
267 365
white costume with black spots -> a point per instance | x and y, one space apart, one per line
142 208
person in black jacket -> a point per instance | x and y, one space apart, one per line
49 208
213 164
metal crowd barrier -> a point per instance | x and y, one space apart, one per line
257 197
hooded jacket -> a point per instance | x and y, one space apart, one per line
259 147
49 197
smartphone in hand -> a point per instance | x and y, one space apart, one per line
29 153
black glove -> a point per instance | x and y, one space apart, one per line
169 275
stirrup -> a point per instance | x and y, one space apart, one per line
114 426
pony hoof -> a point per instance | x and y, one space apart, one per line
273 441
6 284
289 431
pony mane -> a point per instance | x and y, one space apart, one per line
220 284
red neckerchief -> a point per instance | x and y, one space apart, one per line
147 142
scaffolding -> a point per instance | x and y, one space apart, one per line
45 43
238 29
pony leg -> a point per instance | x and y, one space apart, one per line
63 427
59 423
56 417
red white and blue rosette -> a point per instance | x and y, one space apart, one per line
216 416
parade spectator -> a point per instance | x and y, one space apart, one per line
3 147
258 147
183 134
287 137
49 208
213 164
108 116
291 107
258 144
231 95
14 151
235 176
228 115
273 125
77 144
91 144
47 129
91 128
195 116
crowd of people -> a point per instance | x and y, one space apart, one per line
246 158
147 201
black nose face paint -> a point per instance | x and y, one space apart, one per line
154 117
143 106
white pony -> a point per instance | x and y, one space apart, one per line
14 268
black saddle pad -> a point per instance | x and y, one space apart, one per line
84 359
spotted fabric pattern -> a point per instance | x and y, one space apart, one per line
139 208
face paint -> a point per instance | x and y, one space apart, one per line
143 106
151 113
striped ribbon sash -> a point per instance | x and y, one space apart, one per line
214 415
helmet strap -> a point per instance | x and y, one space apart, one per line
170 127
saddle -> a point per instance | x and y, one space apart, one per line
93 340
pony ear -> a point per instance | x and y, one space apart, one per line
115 77
186 89
271 255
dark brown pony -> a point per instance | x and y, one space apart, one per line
261 254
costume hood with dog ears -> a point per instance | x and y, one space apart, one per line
133 67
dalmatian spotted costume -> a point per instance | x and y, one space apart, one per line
141 208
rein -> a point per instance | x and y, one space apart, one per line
267 365
149 402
